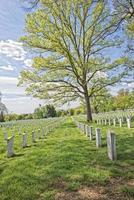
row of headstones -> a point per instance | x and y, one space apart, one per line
20 129
28 121
18 125
111 138
41 134
113 121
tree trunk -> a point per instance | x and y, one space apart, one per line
88 108
1 116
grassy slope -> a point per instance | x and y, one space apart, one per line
66 165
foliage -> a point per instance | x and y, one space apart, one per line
102 101
124 99
124 11
3 109
71 38
12 117
45 112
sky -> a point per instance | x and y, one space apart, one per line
13 58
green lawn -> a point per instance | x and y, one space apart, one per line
66 165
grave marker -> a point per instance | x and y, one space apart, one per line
98 137
111 145
10 143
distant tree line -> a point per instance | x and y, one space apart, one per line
124 99
104 102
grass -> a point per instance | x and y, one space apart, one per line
66 165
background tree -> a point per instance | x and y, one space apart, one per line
45 112
72 38
123 100
103 101
3 109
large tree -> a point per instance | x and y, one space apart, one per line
72 38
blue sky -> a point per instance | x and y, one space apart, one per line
13 57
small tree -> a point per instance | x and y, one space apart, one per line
72 38
45 111
50 111
3 109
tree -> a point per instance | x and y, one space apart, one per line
124 10
45 111
38 113
72 38
3 109
102 101
50 111
123 100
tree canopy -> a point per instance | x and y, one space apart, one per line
71 39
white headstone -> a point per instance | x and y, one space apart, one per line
111 145
120 122
105 121
114 122
128 122
10 143
87 131
91 133
98 137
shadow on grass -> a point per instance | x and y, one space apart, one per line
17 155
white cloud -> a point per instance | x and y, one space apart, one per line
22 104
12 49
8 87
15 98
6 80
28 62
7 68
131 85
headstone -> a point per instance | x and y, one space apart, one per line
105 121
128 122
120 122
33 136
87 131
111 145
91 133
24 140
98 137
114 122
10 143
